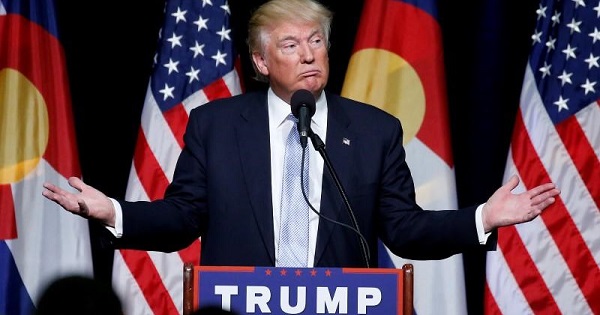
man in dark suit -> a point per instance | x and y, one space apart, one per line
227 186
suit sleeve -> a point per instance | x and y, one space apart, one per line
408 230
174 222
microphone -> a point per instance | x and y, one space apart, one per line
303 108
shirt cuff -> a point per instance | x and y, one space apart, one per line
481 235
117 231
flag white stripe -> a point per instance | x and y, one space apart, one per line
159 136
435 189
125 285
166 265
588 118
196 99
434 179
51 242
134 187
504 288
233 82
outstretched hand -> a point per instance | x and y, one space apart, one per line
505 208
88 202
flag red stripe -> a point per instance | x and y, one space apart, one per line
8 227
148 169
143 270
559 222
191 254
525 271
238 69
582 154
217 89
177 118
490 306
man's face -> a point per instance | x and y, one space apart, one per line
294 57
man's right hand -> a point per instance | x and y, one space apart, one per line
88 203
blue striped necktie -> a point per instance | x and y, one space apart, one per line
293 233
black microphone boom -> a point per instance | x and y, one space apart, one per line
303 107
320 147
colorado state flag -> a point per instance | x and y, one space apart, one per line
38 240
397 65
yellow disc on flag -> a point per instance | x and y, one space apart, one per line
384 79
24 126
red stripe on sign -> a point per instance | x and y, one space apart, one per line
557 218
582 154
148 169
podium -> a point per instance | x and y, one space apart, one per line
276 290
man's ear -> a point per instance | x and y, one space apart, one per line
260 64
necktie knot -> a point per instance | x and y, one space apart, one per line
292 118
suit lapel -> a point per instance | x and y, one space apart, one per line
253 142
339 139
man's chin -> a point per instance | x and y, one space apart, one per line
315 87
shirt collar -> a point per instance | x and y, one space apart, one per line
279 110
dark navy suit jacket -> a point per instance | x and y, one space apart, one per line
221 191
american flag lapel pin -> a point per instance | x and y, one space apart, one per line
346 141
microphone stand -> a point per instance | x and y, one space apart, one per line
320 147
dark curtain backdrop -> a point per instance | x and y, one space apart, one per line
110 47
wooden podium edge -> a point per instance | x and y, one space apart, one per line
188 289
408 289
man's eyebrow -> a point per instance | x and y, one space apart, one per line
292 37
288 37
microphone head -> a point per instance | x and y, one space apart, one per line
302 98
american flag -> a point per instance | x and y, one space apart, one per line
194 64
551 264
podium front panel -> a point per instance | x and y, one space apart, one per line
270 290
